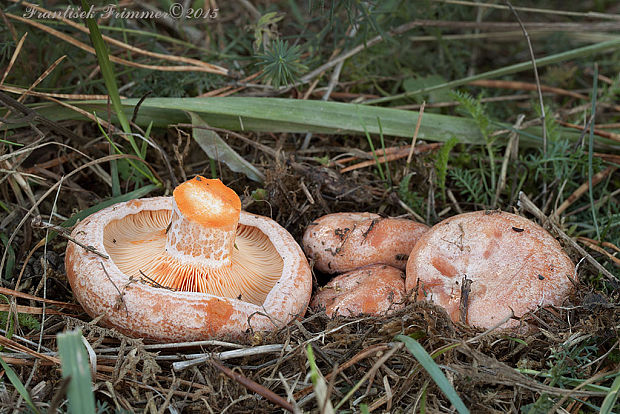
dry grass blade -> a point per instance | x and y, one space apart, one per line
194 62
18 49
42 77
9 343
415 133
375 350
604 134
525 86
401 153
594 245
31 310
28 92
114 59
582 189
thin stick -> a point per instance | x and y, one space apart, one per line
254 387
510 153
37 222
236 353
370 372
178 345
18 49
415 133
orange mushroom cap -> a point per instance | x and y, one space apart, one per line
511 265
341 242
374 290
224 204
173 278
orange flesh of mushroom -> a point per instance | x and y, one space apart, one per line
196 247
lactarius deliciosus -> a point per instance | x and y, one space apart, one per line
372 250
485 266
189 267
341 242
374 289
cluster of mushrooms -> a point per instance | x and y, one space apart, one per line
194 266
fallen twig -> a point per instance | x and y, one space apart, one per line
254 387
37 222
236 353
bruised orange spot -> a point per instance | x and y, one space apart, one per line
134 203
443 266
217 314
493 245
208 202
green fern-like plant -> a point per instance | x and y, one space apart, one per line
473 107
412 198
441 163
23 319
281 63
470 185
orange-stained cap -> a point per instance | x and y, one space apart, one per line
208 202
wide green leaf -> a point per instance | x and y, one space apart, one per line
217 149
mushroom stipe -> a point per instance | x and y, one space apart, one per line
200 272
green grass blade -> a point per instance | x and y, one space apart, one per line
74 363
319 384
434 371
610 400
109 78
12 376
301 116
518 67
591 152
289 115
217 149
10 257
107 72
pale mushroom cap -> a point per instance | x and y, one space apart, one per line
142 310
513 263
374 290
341 242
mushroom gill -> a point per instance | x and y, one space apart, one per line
137 245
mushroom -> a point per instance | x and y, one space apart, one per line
341 242
485 266
374 289
188 267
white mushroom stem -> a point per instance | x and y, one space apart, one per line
216 243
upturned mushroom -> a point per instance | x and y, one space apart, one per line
341 242
188 267
485 266
374 290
